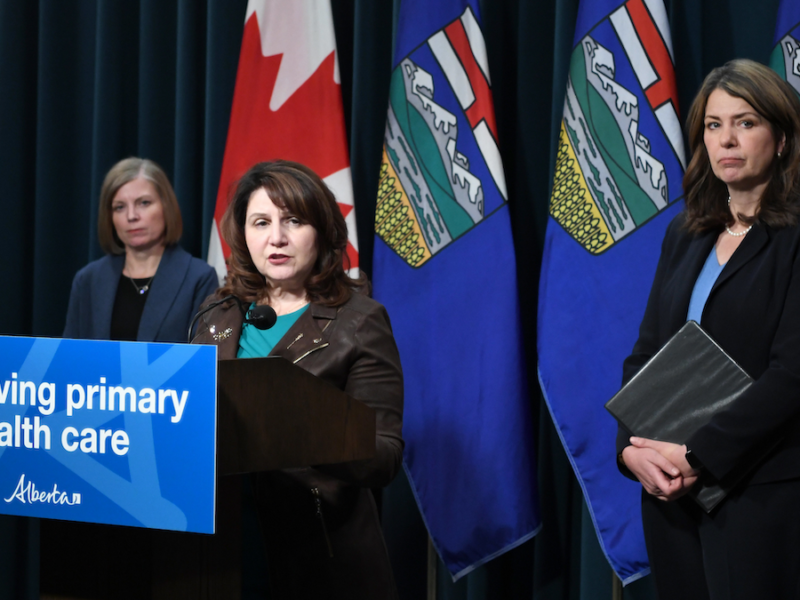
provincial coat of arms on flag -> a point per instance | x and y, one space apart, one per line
441 173
616 187
621 142
785 56
444 268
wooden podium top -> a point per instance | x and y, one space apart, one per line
273 414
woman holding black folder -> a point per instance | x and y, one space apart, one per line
731 262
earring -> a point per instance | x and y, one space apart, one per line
779 154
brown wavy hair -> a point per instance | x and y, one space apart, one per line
776 101
124 172
300 191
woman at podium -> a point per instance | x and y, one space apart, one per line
288 243
731 261
146 288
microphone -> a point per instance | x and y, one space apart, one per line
203 311
261 317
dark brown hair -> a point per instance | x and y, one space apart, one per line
776 101
300 191
124 172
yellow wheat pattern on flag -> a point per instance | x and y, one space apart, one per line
395 221
571 204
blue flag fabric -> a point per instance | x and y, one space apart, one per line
444 267
617 185
785 57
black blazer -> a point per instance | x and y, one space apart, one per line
753 312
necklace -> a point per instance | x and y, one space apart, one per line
739 234
141 290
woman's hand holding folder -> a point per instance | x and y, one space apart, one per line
661 467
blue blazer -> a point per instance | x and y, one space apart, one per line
180 285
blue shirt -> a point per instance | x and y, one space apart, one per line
702 287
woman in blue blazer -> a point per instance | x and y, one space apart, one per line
146 288
731 261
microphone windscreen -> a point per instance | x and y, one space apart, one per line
262 317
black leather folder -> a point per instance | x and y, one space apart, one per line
678 391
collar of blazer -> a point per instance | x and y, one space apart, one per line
699 248
310 333
751 245
169 277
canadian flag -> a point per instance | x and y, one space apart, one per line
287 104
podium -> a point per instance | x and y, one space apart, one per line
271 414
306 421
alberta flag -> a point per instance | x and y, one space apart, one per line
444 267
785 57
617 185
287 104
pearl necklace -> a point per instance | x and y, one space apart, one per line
739 234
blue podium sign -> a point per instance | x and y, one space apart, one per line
122 433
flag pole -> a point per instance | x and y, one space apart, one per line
616 587
432 567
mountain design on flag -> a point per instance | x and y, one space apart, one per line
441 160
616 188
611 178
785 57
443 246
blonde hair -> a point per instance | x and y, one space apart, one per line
124 172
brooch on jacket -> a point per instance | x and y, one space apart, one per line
222 335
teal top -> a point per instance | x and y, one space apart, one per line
702 287
255 343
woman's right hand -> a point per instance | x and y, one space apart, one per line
658 476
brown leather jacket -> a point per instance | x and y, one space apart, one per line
320 525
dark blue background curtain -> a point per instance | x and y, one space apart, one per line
87 82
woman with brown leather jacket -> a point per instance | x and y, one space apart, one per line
288 238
